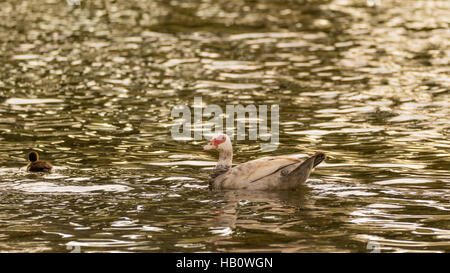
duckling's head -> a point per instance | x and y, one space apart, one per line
220 142
33 156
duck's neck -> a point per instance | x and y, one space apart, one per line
225 159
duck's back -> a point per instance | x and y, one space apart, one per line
263 173
268 173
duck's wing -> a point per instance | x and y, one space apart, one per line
242 175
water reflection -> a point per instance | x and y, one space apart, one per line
91 88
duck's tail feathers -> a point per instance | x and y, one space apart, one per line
301 173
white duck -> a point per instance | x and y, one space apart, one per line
267 173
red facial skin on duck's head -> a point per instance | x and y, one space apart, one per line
218 140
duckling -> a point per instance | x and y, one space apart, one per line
37 165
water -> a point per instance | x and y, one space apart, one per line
91 87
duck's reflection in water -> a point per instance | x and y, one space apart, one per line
259 213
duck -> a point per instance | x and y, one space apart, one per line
37 165
267 173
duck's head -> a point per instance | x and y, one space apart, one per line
33 156
220 142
